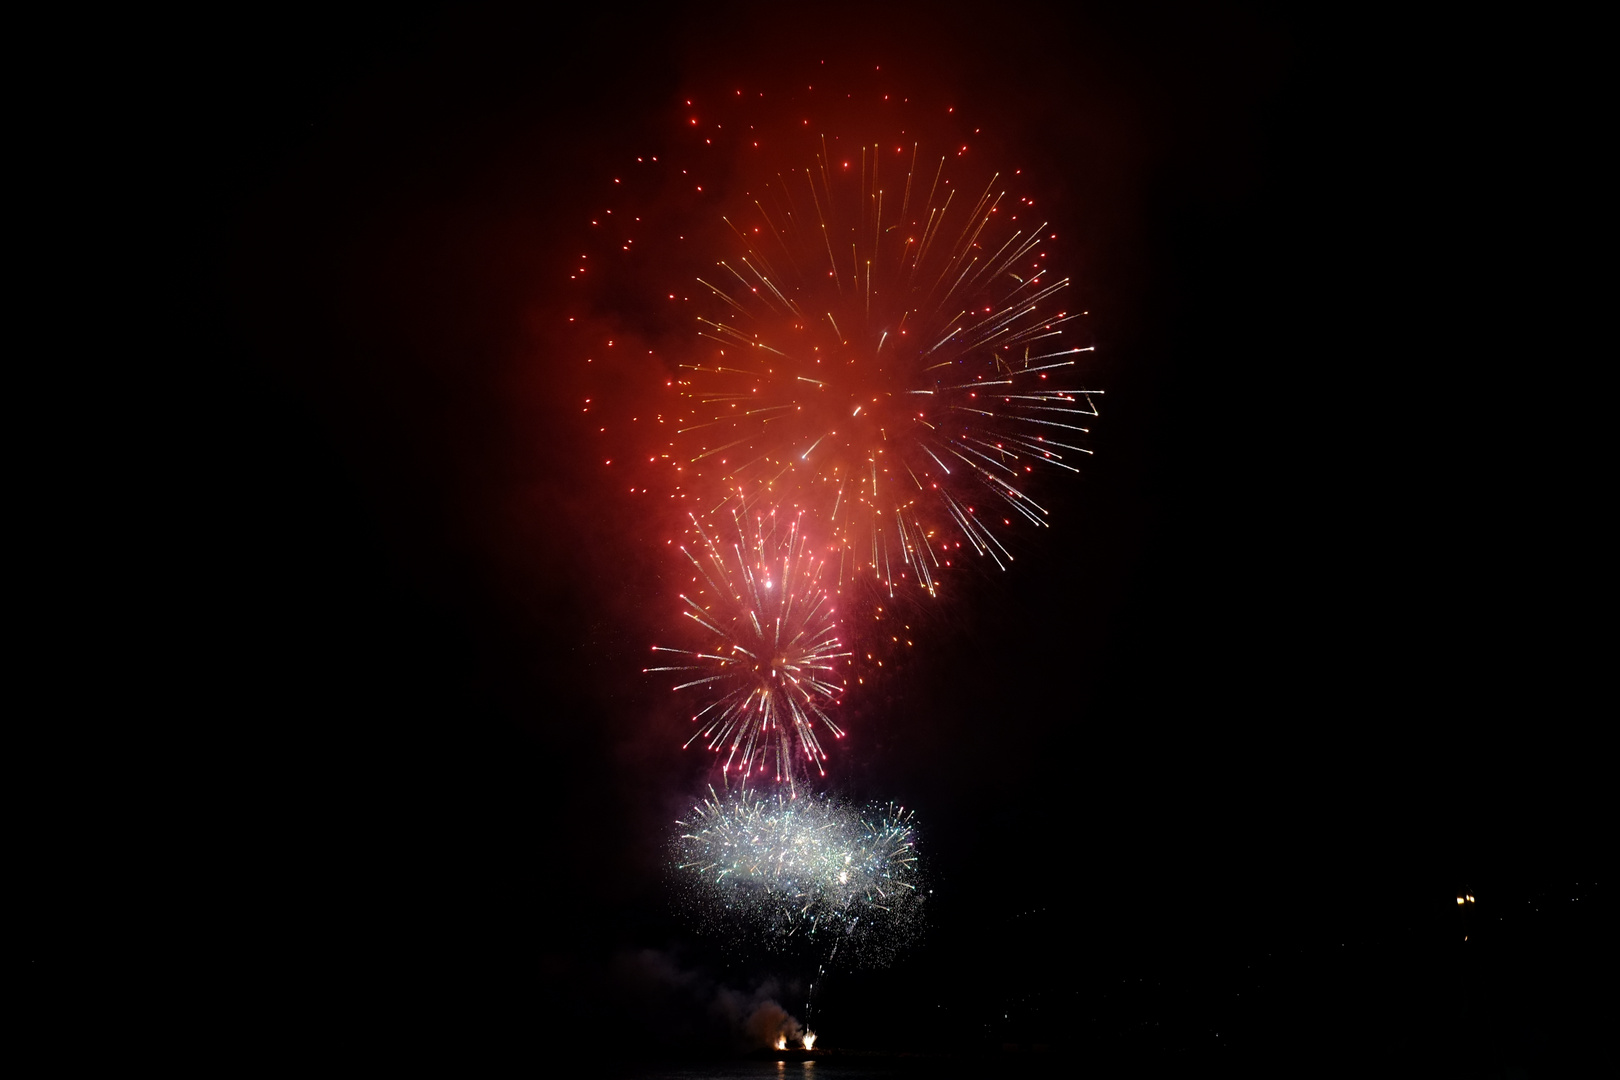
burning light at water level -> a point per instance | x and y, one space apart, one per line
809 1040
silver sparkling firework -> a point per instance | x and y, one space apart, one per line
807 869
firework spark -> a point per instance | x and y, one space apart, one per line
770 668
884 351
810 868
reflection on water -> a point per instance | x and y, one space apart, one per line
838 1068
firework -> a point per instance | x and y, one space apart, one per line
811 868
879 348
769 671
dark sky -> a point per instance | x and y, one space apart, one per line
1278 682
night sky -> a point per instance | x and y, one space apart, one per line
1204 774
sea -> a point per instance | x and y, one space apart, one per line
863 1068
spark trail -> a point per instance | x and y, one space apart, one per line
878 347
769 671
